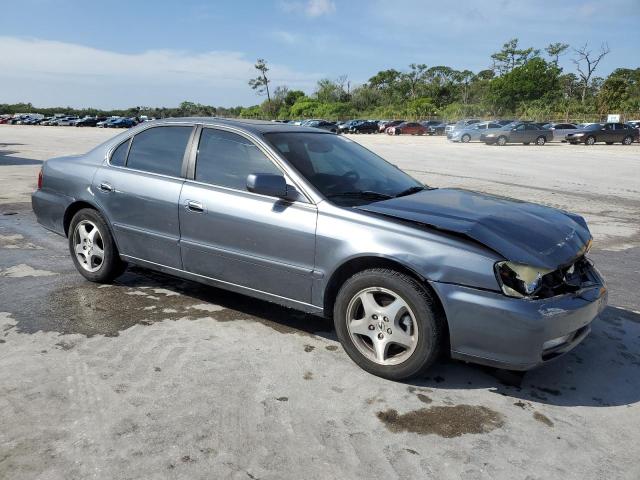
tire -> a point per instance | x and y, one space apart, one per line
501 141
398 132
417 315
540 141
465 138
590 140
628 140
83 239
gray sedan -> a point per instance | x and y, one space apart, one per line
523 132
314 221
472 132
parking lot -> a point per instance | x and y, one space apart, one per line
154 377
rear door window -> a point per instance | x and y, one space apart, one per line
159 150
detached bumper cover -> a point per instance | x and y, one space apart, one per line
518 334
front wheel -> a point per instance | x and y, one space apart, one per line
590 140
502 141
627 140
388 324
541 141
465 138
92 248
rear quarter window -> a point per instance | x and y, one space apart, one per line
119 155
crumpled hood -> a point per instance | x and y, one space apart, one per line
519 231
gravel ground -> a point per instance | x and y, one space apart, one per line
155 377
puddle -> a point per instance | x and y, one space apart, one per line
144 297
444 421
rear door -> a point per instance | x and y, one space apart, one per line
241 238
138 189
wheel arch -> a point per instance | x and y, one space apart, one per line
358 264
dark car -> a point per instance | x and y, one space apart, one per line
89 121
323 124
434 127
635 124
313 221
365 126
382 126
121 123
408 128
522 132
346 126
609 133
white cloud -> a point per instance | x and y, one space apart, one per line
311 8
49 73
285 37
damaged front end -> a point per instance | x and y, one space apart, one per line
524 281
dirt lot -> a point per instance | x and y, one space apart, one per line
161 378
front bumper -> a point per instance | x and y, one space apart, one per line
517 334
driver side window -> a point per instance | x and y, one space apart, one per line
226 159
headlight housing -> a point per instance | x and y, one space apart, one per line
518 280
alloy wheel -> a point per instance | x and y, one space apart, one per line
382 326
88 246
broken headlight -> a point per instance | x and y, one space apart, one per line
518 280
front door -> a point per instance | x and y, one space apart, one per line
232 235
518 134
139 190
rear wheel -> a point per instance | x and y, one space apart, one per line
541 140
92 248
465 138
388 324
590 140
628 140
502 141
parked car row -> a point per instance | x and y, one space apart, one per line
63 120
500 133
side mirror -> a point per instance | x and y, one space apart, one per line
269 184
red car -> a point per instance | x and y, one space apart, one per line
408 128
4 120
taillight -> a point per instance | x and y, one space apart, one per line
40 179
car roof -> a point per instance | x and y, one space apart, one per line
253 126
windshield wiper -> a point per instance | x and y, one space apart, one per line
361 194
410 191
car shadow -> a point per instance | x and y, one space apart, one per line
602 371
7 160
235 305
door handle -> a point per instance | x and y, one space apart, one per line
106 187
195 206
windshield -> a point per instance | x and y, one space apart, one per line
341 169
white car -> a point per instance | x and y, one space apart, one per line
561 130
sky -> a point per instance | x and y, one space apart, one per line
121 53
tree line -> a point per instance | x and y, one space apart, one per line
520 82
